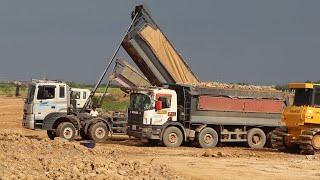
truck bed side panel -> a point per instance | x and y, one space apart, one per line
245 121
241 105
227 116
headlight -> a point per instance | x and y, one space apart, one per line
309 114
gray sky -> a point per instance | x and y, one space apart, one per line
253 41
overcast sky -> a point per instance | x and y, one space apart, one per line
252 41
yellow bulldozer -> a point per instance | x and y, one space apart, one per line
301 132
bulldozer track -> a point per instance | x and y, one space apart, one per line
306 141
278 141
277 138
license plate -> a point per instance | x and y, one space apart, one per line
134 127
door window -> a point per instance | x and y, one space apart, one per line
46 92
316 100
165 99
84 95
76 94
61 92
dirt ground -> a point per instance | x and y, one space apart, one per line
28 154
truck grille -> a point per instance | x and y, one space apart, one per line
135 117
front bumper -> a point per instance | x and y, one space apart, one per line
28 121
144 131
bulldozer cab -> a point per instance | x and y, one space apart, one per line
306 105
302 121
306 94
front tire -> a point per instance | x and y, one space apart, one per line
67 131
208 138
172 137
256 138
98 132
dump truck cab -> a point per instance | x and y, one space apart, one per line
149 110
80 96
44 98
301 119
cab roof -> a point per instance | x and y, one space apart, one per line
302 85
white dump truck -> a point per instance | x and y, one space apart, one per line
54 106
46 97
62 111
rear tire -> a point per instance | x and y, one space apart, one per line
256 138
98 132
172 137
51 134
66 130
208 138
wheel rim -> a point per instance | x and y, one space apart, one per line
173 138
208 138
67 133
316 141
256 139
100 133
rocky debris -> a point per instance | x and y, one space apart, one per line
210 153
33 157
221 85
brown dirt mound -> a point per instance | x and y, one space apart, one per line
30 156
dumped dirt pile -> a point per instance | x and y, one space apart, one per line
25 156
234 86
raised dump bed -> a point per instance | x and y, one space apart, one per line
128 76
154 54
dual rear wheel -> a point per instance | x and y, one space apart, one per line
98 132
173 137
64 130
208 137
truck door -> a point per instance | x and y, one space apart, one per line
77 96
165 114
49 98
82 98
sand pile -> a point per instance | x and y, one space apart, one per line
25 156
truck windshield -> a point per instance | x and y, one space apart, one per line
140 102
30 95
302 97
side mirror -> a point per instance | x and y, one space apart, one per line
158 105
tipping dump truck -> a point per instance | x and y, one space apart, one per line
174 112
55 107
302 121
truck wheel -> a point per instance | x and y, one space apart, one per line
67 131
256 138
98 132
208 138
51 134
268 141
172 137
